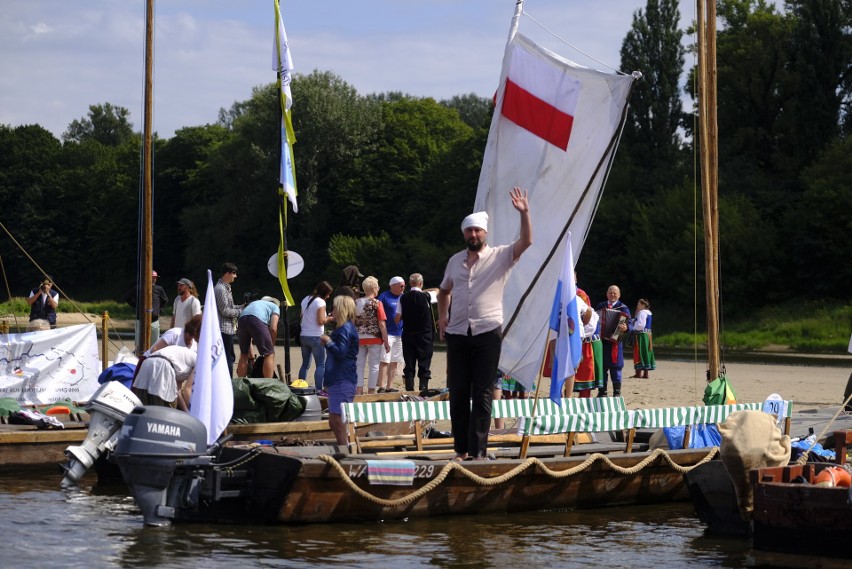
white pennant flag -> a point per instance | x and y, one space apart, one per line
212 400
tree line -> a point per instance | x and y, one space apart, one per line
384 179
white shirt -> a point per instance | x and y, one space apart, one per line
184 310
309 317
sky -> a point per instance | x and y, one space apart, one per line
58 57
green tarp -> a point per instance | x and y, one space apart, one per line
259 400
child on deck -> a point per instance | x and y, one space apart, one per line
340 369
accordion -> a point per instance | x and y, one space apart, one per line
610 319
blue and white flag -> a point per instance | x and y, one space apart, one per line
212 400
282 63
565 321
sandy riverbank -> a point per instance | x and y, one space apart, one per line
674 383
681 383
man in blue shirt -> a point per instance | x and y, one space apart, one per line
258 323
390 359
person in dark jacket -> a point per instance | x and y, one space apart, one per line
415 309
159 299
43 301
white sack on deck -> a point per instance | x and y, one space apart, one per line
751 439
564 184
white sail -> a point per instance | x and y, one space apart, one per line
528 147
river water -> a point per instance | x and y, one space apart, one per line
90 527
44 526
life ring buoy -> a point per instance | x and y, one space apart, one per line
833 476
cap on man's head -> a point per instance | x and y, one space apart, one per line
47 281
154 274
478 219
396 281
186 282
272 299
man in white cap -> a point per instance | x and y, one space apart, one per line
393 357
473 282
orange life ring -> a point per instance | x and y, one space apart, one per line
833 476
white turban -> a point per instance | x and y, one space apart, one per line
478 219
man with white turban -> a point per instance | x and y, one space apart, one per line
473 282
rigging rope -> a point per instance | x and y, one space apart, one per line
804 456
62 292
569 44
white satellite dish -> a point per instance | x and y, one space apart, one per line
295 264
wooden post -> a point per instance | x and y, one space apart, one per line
708 138
525 441
146 263
104 338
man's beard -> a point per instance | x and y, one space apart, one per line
474 244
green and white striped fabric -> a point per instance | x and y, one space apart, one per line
395 411
505 408
680 416
578 423
406 411
637 418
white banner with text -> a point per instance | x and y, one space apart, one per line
38 368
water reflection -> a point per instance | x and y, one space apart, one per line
86 527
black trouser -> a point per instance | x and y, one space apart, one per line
228 340
471 374
417 351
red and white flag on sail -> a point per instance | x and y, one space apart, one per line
555 134
540 98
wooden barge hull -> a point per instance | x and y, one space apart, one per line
796 518
290 489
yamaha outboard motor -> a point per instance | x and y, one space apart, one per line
155 442
108 407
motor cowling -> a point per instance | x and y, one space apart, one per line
153 444
108 407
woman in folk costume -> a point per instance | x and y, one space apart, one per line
587 376
643 348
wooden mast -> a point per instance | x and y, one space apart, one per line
146 247
709 138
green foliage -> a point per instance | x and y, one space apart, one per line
106 124
653 47
808 327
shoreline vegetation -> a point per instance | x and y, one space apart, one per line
805 329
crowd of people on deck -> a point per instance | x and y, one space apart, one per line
358 346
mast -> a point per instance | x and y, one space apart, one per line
709 139
516 19
146 246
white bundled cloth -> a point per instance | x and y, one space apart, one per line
751 439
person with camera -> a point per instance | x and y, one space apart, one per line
43 301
